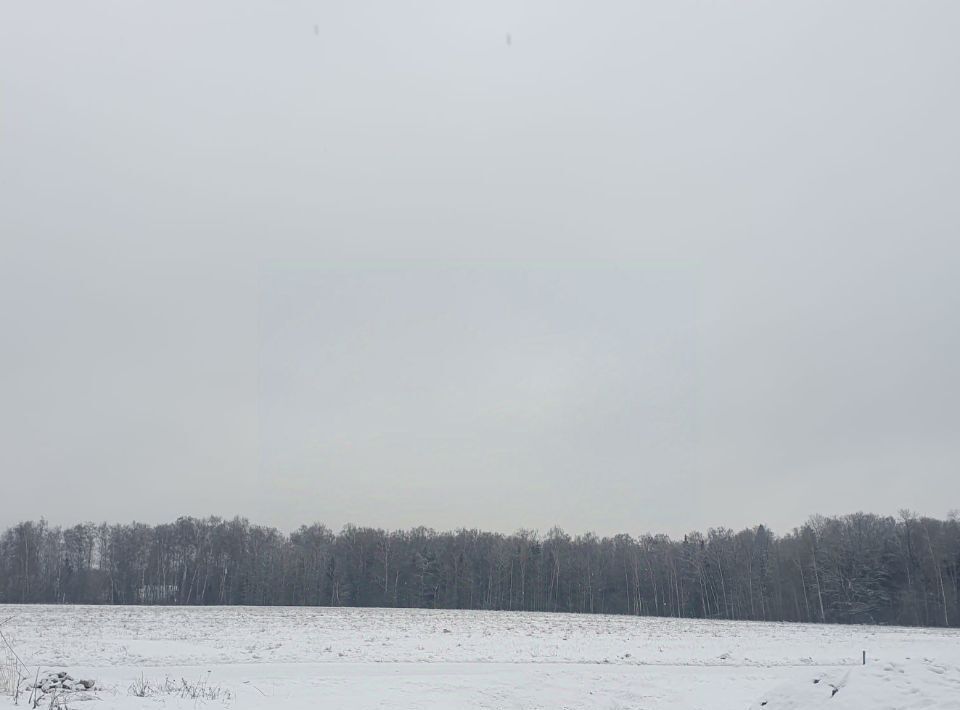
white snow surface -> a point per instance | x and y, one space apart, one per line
283 657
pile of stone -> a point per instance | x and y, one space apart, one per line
62 681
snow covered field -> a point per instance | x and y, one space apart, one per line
384 658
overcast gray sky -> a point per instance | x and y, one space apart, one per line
646 266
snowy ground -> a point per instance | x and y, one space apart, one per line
381 658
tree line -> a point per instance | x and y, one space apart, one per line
858 568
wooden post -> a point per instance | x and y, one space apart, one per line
864 658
